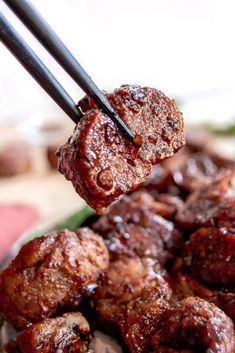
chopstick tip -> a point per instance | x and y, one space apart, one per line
137 139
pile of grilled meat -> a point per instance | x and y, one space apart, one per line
156 271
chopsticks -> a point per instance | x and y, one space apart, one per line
27 13
31 62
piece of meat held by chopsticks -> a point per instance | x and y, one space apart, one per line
101 163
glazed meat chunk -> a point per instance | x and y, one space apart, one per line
197 172
132 227
50 272
143 314
165 205
67 334
194 325
126 279
226 301
185 285
101 163
212 205
210 255
160 179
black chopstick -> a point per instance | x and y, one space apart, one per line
31 62
28 14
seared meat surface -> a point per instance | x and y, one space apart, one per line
185 285
212 205
126 279
101 163
210 255
51 272
67 334
196 172
133 226
143 315
162 204
194 167
194 325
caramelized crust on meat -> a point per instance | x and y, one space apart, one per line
101 163
198 171
160 179
67 334
226 302
212 205
132 227
143 315
126 279
162 204
196 325
50 272
210 255
186 286
194 167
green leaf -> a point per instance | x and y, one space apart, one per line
75 220
221 130
72 222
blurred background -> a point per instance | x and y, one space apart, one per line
183 47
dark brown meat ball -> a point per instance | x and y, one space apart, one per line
137 208
201 140
143 314
165 176
50 272
164 204
187 286
184 286
212 205
170 205
226 301
67 334
131 240
210 255
131 226
193 167
160 179
101 163
126 279
197 172
195 324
